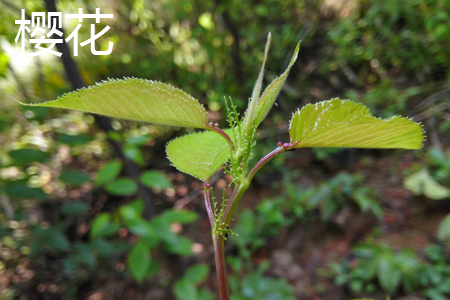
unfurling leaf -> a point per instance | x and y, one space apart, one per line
270 94
258 85
199 154
136 99
343 123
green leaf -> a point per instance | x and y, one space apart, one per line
136 99
137 225
102 226
122 187
173 242
25 156
270 94
199 154
108 172
388 273
74 208
134 153
156 180
74 177
185 290
444 229
366 203
197 273
422 183
258 85
19 189
179 216
138 140
139 261
85 255
73 140
343 123
52 237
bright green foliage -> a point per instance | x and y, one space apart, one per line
333 123
197 273
343 123
379 262
198 154
155 179
103 226
139 261
270 94
122 187
131 216
136 99
435 278
180 216
108 172
171 241
422 183
186 288
256 286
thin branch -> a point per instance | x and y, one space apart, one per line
208 203
241 188
216 128
280 149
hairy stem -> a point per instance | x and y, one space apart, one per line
238 192
233 202
241 188
221 269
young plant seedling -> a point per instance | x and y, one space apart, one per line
332 123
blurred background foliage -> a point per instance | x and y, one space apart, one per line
92 211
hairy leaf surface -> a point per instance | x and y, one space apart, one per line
136 99
258 85
343 123
270 94
199 154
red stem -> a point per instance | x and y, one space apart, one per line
208 203
222 277
222 133
263 161
268 157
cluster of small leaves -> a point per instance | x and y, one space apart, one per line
243 141
426 275
150 235
379 262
